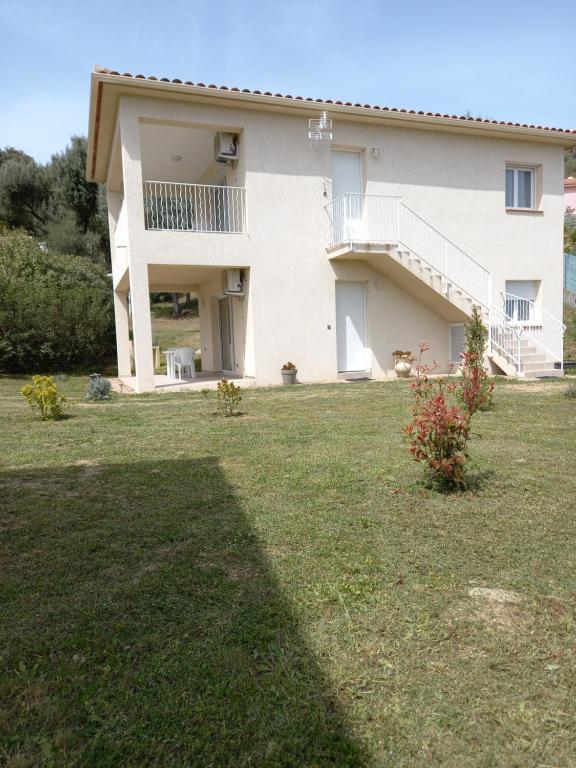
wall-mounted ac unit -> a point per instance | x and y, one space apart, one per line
225 147
232 282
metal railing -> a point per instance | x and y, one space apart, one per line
194 207
360 218
535 324
505 337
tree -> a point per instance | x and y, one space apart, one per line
24 193
54 202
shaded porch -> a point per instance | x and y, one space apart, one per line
219 343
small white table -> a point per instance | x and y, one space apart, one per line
170 355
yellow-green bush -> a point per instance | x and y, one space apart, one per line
42 394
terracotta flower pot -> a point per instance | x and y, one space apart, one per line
402 368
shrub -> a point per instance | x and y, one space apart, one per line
99 389
289 366
439 436
228 398
475 390
56 311
439 430
42 394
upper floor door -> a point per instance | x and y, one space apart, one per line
347 186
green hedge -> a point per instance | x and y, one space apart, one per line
56 312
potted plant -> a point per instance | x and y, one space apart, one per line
403 364
289 372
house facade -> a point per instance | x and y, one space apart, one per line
325 233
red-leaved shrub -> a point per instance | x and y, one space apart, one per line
439 431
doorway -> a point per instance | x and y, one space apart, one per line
347 185
227 335
351 326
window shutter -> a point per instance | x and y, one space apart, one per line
457 342
524 289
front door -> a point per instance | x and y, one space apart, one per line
350 326
227 335
347 181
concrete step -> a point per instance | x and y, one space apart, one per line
543 365
533 357
545 372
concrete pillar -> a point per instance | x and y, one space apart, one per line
122 333
142 327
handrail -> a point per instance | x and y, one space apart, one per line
360 194
541 310
188 184
543 329
467 255
358 217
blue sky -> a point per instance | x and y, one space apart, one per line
505 60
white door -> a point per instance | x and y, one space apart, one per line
227 335
347 180
350 326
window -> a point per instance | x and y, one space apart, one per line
457 343
519 300
520 187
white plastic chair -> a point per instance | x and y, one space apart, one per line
184 359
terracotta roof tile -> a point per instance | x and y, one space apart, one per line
104 71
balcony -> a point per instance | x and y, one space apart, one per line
178 207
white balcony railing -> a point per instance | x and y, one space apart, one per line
535 324
194 207
384 219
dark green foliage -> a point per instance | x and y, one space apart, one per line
24 194
476 389
55 311
476 335
54 202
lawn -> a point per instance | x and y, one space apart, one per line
279 589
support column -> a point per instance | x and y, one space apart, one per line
122 333
142 328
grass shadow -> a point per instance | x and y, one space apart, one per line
143 627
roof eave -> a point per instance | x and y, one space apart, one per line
125 84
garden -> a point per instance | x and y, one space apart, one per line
285 588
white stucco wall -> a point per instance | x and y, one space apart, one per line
454 181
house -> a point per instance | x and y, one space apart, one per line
327 233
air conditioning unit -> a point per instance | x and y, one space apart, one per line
226 147
232 282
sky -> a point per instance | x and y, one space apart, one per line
505 60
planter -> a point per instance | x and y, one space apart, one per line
402 368
289 377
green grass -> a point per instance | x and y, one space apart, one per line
279 589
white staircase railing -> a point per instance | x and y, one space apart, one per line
535 324
386 219
515 326
194 207
504 338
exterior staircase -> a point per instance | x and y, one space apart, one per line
362 225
